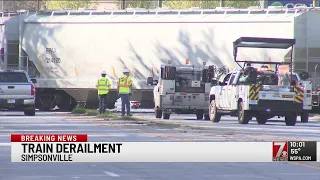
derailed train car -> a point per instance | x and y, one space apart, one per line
69 49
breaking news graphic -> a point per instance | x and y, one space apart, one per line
77 148
294 151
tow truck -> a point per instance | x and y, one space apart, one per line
267 95
184 89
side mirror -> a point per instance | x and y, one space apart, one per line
150 81
304 75
34 81
214 82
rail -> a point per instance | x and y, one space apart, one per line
134 12
12 14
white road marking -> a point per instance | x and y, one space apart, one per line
111 174
40 130
49 124
111 134
5 144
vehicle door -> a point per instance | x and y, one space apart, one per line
223 92
229 93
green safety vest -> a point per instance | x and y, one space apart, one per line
124 84
103 85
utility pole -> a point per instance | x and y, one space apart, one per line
160 3
38 5
221 3
123 4
263 4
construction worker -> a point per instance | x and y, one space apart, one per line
103 85
249 75
124 88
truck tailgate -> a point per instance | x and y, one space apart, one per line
15 90
199 100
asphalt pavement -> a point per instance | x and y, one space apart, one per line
109 130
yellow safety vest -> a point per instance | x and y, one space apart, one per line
124 84
103 86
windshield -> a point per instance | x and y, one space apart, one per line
8 77
284 79
268 78
189 81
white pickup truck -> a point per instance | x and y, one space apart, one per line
262 94
263 101
17 92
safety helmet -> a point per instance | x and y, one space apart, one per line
125 71
103 72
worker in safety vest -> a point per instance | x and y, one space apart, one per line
103 85
124 88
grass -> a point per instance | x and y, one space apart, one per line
91 112
79 110
107 114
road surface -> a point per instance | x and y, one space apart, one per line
108 130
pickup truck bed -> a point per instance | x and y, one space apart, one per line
17 92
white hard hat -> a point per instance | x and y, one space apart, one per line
103 72
125 71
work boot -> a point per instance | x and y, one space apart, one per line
129 114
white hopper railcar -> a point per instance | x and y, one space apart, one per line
69 49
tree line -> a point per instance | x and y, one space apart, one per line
35 5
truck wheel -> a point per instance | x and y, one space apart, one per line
206 117
214 115
158 113
30 112
243 115
261 120
304 116
199 114
291 120
166 115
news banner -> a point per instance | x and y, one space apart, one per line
77 148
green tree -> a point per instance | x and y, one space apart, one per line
147 4
186 4
72 4
241 3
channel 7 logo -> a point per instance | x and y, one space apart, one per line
280 151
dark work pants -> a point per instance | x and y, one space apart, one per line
103 99
125 100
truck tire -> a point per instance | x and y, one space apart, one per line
214 115
206 117
158 113
30 112
291 120
199 114
243 115
261 119
166 115
304 116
